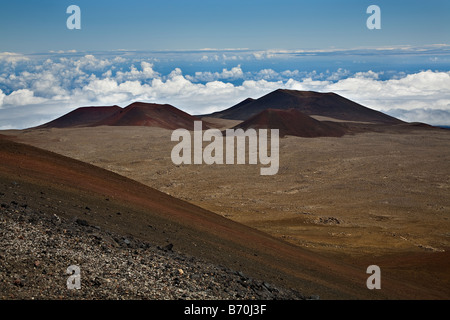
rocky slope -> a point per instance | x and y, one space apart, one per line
36 248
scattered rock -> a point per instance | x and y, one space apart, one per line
82 222
18 282
267 286
37 248
166 248
327 220
242 275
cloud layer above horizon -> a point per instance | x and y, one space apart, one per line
35 89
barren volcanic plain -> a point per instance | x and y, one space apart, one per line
378 197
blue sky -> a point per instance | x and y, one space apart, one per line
203 56
36 26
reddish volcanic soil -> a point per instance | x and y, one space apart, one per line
136 114
151 115
294 123
57 184
82 117
308 102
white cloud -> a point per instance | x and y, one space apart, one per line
339 74
90 62
101 86
21 97
426 89
2 97
54 86
362 75
62 51
290 74
261 86
147 72
268 54
267 74
429 116
11 57
232 74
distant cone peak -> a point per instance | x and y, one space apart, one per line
309 103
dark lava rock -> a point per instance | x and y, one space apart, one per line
169 247
82 222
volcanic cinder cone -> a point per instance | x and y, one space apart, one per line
293 122
310 103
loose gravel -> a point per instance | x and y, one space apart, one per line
37 248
